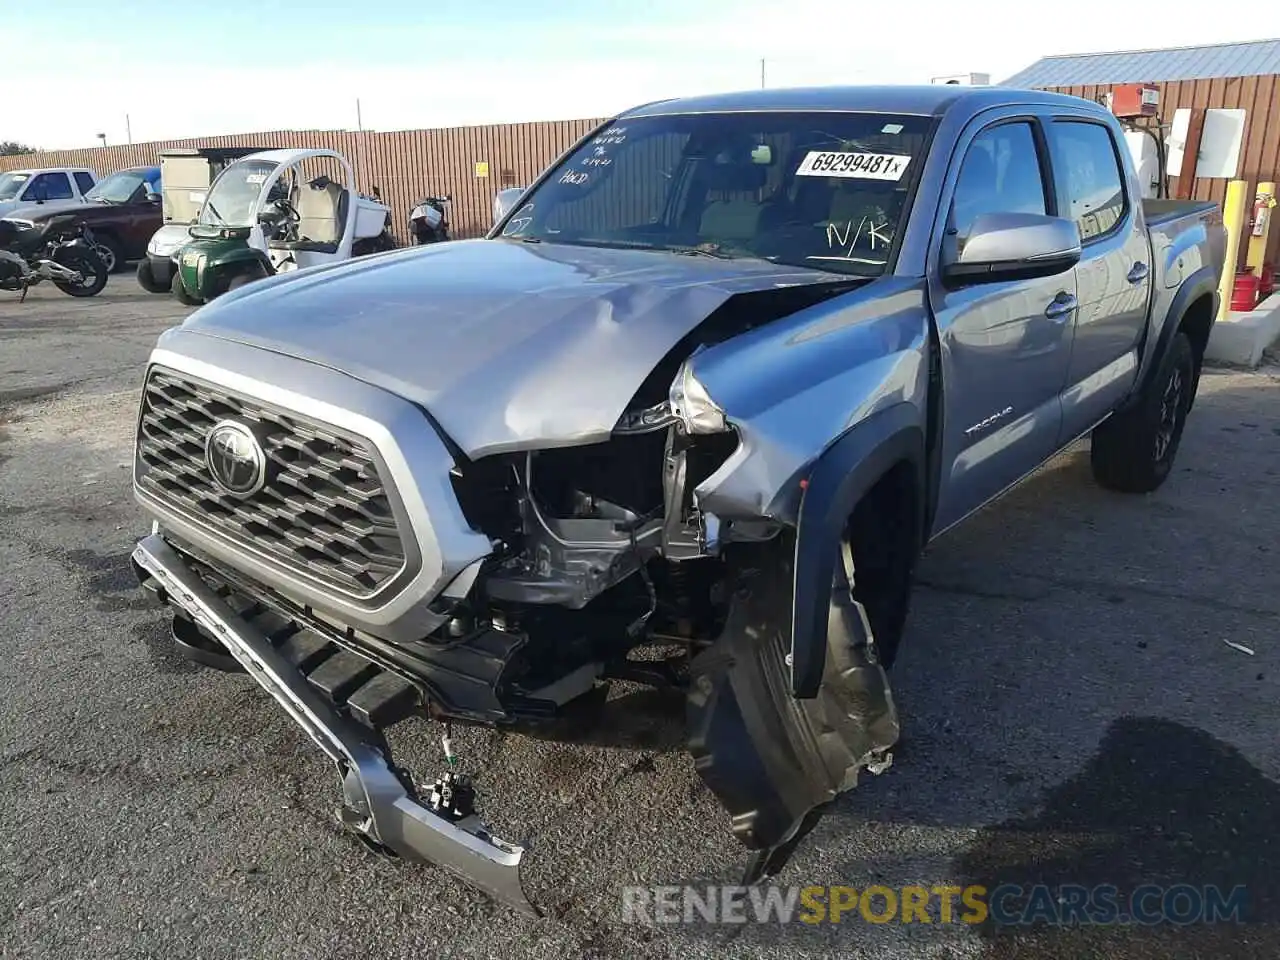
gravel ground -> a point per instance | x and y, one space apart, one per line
1072 715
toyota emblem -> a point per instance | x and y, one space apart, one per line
235 458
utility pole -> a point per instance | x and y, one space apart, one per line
128 131
360 139
762 73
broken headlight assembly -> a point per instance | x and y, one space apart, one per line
692 405
688 404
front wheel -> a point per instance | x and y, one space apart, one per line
1133 450
179 291
93 274
147 279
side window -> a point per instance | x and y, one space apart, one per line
51 186
1091 177
1000 174
84 182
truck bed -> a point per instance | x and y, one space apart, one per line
1158 212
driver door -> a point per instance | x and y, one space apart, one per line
1005 345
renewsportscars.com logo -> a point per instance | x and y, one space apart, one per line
1004 905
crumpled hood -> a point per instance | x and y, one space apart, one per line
508 345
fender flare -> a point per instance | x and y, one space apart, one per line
244 255
234 262
841 477
1195 286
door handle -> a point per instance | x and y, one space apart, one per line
1137 273
1061 307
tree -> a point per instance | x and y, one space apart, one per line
11 148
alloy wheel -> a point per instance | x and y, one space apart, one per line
1170 412
107 255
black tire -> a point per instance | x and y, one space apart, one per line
1133 450
147 279
180 292
91 268
110 250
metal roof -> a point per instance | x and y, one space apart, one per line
1251 58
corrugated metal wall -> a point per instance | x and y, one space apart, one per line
1260 152
405 165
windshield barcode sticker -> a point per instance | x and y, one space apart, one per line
863 166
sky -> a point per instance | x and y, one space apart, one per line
244 66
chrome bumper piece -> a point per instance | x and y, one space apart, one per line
377 804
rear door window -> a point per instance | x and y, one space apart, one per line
84 182
1090 173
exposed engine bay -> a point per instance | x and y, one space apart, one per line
607 542
603 542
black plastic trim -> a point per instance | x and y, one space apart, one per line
842 476
1193 288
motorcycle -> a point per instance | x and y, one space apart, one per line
60 250
429 220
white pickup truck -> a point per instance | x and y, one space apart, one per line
51 187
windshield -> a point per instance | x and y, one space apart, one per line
11 183
233 198
822 190
117 188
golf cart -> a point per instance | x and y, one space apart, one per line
277 211
185 176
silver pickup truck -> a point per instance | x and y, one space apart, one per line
685 418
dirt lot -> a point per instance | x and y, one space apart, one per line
1072 716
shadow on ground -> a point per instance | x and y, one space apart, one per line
1160 804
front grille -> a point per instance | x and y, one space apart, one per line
324 510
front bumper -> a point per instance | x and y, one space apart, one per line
376 802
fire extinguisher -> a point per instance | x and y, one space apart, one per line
1261 213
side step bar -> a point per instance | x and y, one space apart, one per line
378 804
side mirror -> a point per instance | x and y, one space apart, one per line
1011 246
505 201
37 194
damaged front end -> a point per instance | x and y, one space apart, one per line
607 549
520 583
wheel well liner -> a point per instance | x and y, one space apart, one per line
1199 287
1197 323
848 470
239 257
